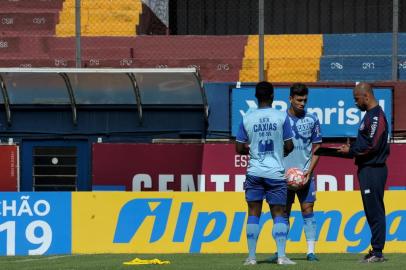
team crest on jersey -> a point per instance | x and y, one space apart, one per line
302 129
265 147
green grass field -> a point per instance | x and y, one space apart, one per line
193 261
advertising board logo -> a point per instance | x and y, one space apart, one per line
35 223
334 108
133 214
210 227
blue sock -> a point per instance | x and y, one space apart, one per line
280 233
309 227
288 223
252 235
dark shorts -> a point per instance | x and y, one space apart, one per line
307 194
273 190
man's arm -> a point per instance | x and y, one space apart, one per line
287 147
313 162
242 148
316 144
287 137
367 142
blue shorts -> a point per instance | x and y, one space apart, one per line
273 190
307 194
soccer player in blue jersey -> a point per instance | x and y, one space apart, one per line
307 139
266 135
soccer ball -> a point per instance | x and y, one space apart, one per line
295 178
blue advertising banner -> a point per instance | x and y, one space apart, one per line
335 108
35 223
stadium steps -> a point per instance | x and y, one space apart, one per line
92 53
101 18
356 68
22 47
292 69
402 67
357 44
250 64
30 5
31 23
219 58
287 58
30 62
357 57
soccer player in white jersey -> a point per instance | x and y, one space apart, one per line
306 139
266 135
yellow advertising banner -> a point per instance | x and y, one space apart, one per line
214 222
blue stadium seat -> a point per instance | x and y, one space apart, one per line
402 44
358 44
355 68
402 67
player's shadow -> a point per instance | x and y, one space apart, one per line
268 261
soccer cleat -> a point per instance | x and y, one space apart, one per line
285 260
250 261
311 257
371 257
273 258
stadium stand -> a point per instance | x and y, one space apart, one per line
402 56
27 17
287 58
356 57
37 33
101 18
357 44
402 67
218 58
24 27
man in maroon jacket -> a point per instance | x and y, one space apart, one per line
370 151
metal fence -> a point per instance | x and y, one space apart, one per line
227 40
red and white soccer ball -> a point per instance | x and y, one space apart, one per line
295 178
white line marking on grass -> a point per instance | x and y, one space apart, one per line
45 258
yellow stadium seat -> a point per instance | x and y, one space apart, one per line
101 18
287 58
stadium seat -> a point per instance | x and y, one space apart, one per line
357 44
402 44
30 62
293 69
219 58
101 18
30 5
92 53
250 65
402 67
28 23
287 58
356 57
9 45
355 68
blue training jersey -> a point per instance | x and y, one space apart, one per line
265 130
306 131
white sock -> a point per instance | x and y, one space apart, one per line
310 246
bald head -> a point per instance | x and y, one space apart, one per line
364 88
364 96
